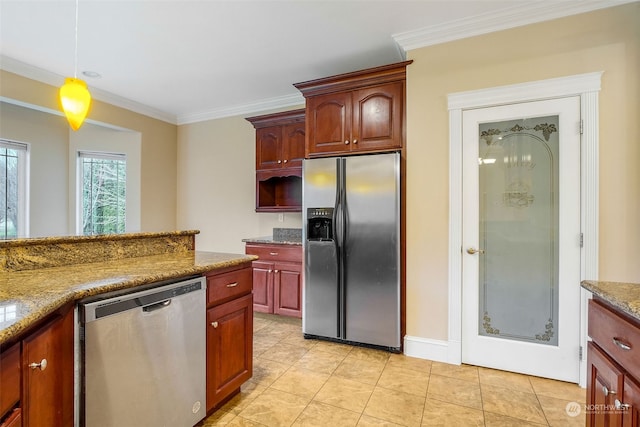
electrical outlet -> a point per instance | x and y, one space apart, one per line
281 217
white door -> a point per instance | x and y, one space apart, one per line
521 238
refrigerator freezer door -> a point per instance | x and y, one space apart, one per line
321 305
372 249
321 287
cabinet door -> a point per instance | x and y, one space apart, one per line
9 378
262 286
293 141
377 117
329 123
269 148
229 348
631 403
288 289
604 385
42 376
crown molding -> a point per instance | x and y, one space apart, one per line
244 109
524 13
34 73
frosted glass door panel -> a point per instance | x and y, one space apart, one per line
518 229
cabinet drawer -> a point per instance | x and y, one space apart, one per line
9 378
616 335
227 286
289 253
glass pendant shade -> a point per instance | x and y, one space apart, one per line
76 100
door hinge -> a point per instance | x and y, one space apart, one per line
580 353
582 240
581 127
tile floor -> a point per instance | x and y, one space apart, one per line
298 382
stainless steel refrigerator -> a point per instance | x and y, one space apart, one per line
351 237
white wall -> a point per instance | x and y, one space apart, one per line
216 185
47 137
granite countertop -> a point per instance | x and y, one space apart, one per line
270 240
625 296
280 236
28 296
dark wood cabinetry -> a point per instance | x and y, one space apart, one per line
277 278
229 333
37 375
613 360
9 379
280 141
356 112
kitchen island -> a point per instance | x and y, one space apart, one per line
613 355
41 281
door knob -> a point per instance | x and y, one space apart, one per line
473 251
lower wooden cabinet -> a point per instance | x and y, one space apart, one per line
277 279
9 379
42 376
229 348
229 334
613 390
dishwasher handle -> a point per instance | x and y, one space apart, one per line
157 306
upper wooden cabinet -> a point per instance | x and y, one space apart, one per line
280 140
356 112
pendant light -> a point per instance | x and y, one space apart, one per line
74 95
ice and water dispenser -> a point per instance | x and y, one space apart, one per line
320 224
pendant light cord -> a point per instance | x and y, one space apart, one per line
75 65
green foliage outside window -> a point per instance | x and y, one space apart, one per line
103 195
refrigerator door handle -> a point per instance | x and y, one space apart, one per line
342 309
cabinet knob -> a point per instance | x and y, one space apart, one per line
214 324
606 391
273 253
275 271
346 142
232 285
285 160
355 141
279 161
42 365
270 271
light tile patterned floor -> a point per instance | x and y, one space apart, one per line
298 382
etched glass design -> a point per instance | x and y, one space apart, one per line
518 179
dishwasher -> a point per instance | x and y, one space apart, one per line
144 356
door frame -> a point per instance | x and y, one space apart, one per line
587 86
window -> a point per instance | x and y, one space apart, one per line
14 190
102 192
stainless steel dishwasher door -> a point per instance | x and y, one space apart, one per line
145 357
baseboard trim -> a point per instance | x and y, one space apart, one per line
435 350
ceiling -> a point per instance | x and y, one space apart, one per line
186 61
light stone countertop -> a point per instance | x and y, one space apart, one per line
28 296
624 296
271 241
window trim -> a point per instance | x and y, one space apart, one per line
23 182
